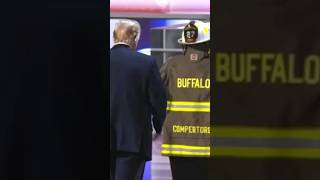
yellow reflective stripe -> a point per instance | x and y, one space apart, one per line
266 132
265 152
189 109
190 103
186 147
166 152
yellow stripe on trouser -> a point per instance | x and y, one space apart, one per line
188 106
175 149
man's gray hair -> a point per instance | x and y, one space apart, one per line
127 31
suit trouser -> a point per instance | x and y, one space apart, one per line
189 168
126 166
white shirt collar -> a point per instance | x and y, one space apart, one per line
120 43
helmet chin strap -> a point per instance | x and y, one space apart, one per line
184 49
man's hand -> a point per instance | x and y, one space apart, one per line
155 136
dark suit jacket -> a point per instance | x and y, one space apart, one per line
136 94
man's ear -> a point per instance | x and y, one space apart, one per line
133 44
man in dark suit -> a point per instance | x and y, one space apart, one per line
136 95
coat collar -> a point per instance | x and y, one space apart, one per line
196 53
118 45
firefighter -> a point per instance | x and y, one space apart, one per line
186 131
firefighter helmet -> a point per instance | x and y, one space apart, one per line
195 32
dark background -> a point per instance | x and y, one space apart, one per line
53 90
279 26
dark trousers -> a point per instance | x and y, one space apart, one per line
189 168
126 166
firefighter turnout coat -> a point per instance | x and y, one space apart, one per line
186 131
